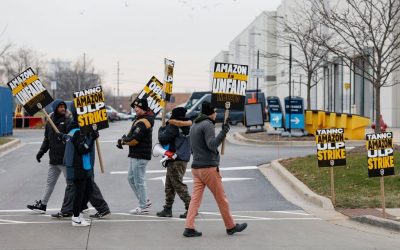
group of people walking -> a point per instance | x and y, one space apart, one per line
72 153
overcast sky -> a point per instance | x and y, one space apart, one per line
138 34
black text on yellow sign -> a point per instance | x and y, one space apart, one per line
90 107
331 148
229 85
380 154
29 91
152 92
168 79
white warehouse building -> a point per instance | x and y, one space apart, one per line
340 88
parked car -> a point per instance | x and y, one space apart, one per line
123 116
235 116
194 97
112 114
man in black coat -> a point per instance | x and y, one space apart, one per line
178 125
139 140
61 118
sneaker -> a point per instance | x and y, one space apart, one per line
79 222
148 203
60 215
184 215
140 211
166 212
191 233
38 207
100 215
237 229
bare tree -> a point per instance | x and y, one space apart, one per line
301 32
71 78
366 30
15 61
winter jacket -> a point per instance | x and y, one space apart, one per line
50 141
204 143
77 145
139 137
168 134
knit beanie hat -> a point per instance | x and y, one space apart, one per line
207 109
141 103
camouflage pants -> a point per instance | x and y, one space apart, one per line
174 185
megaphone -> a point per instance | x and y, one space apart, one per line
158 150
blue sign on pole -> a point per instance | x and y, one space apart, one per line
275 111
294 107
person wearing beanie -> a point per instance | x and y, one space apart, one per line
139 140
205 170
175 137
61 117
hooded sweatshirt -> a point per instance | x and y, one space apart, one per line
205 143
50 141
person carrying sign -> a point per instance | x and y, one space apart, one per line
139 140
205 170
61 118
79 159
175 135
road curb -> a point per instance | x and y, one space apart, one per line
9 145
301 189
237 136
379 222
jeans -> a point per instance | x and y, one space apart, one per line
136 173
52 177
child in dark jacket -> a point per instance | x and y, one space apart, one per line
79 159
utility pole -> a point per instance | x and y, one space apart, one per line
258 66
290 87
118 79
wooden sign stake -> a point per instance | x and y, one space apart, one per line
99 151
48 118
227 106
383 196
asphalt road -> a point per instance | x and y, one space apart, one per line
274 223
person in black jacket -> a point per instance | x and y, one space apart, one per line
139 140
79 160
176 169
61 118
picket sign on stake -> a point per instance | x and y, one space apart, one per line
227 106
99 151
168 79
48 118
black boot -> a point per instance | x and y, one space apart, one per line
236 229
166 212
191 233
183 216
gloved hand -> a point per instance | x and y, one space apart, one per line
226 127
61 137
119 144
39 155
94 134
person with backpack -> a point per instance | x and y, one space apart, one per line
205 170
175 137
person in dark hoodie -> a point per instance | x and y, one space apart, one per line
79 159
139 140
205 170
178 125
61 118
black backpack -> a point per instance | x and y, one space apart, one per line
182 146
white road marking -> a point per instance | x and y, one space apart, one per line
188 170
